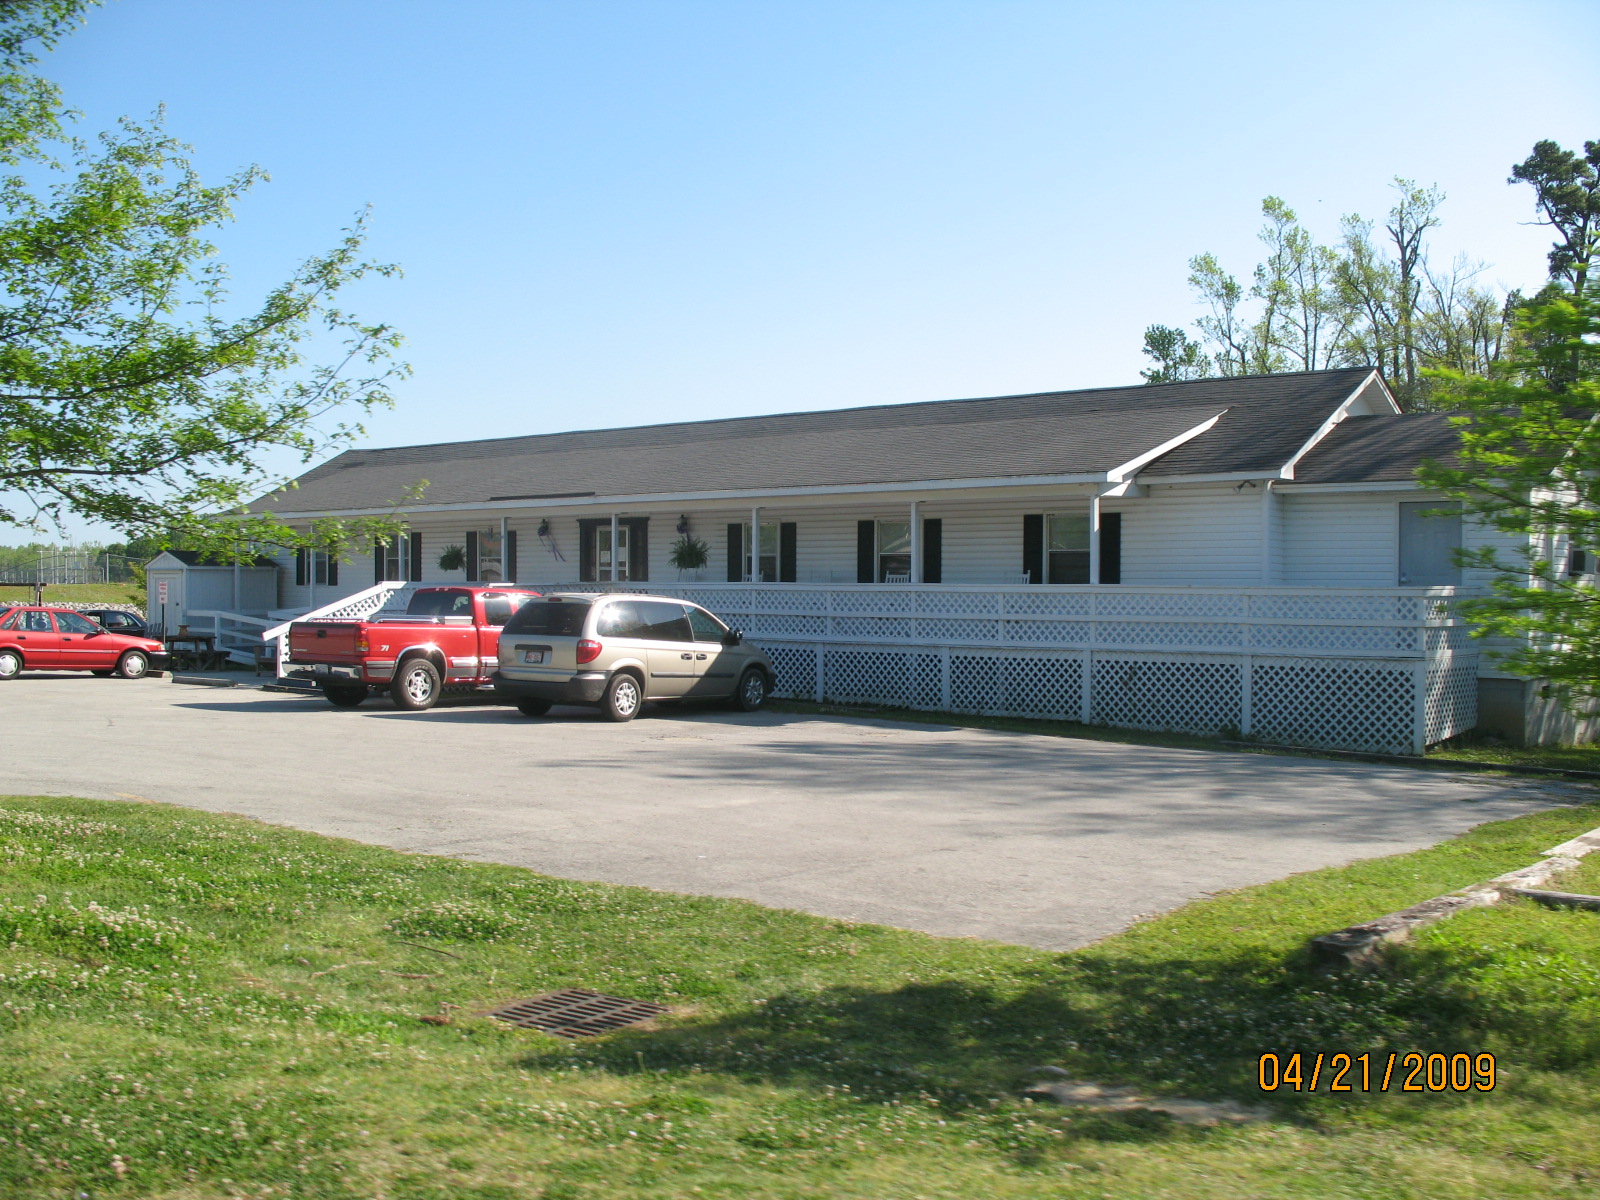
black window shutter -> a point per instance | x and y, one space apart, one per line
788 552
333 568
866 551
933 550
302 567
639 549
735 553
510 571
1111 547
416 558
1033 546
472 554
377 560
586 547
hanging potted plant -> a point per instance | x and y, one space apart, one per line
689 554
453 558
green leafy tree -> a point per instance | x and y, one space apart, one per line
1529 465
1374 299
1178 356
1566 190
131 391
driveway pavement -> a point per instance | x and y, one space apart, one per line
1045 841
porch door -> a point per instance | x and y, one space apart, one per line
1430 534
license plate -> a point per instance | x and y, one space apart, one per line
320 668
533 657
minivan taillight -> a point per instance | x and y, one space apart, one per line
588 650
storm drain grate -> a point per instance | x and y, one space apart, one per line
577 1012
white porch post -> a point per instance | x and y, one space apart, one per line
1269 533
916 543
753 565
614 555
1094 539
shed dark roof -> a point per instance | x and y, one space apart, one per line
198 558
1379 449
1264 420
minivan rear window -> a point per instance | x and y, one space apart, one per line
549 618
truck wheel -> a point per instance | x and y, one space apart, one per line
752 691
529 707
417 685
345 697
623 698
133 665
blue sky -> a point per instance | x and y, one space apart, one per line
617 213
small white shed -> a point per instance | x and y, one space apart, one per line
178 582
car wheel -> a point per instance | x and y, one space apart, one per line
529 707
752 691
10 664
135 664
417 686
623 697
345 697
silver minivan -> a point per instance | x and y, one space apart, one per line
617 651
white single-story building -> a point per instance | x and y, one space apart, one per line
1247 554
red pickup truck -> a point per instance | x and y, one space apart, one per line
447 640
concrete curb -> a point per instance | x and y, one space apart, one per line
1362 945
1413 760
205 681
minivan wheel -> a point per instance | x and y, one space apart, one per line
623 697
752 693
529 707
133 665
417 686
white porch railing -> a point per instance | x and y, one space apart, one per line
393 594
238 635
1387 669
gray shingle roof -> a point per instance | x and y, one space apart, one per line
1379 449
1264 420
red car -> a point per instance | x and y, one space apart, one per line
58 639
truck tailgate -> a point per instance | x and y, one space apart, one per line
324 641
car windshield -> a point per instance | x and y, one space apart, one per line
550 618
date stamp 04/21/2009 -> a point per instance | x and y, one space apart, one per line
1413 1071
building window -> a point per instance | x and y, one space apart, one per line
491 556
315 567
894 551
394 560
1579 562
765 567
1067 547
611 563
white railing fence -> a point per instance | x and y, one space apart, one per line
1381 669
238 635
392 595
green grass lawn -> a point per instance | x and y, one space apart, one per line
75 593
195 1006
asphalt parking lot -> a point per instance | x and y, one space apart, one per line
1046 841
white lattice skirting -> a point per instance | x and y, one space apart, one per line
1390 706
1385 670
